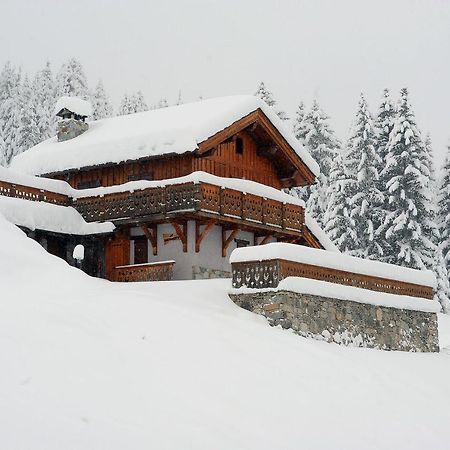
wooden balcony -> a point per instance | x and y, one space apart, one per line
268 274
157 271
194 200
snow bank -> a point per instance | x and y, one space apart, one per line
320 235
177 129
332 260
75 105
352 293
49 217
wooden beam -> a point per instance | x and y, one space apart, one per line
200 235
181 230
227 240
152 236
266 238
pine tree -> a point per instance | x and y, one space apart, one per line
408 227
71 80
28 132
338 223
264 94
101 105
299 127
140 104
126 105
443 216
9 112
362 163
161 104
44 94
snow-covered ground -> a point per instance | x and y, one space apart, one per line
87 364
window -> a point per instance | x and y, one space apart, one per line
140 250
89 184
241 243
239 146
142 176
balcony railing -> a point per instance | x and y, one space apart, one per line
268 274
157 271
192 197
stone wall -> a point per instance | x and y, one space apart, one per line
203 273
346 322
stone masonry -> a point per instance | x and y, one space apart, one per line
70 128
203 273
346 322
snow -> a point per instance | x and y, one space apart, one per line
78 252
88 364
177 129
319 234
75 105
352 293
49 217
332 260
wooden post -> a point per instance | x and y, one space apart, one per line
181 230
227 240
152 236
200 235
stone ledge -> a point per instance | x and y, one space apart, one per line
346 322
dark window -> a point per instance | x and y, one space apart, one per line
239 146
88 184
140 250
241 243
143 176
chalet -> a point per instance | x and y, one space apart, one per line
183 186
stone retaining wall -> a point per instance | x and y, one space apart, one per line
346 322
203 273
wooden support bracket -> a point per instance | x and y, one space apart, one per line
181 230
200 235
152 236
266 238
227 240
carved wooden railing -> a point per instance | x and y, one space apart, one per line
8 189
158 271
268 274
187 197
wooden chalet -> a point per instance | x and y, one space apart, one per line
183 186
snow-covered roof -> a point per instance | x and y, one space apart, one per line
75 105
49 217
332 260
352 293
177 129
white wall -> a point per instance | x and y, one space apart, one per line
210 255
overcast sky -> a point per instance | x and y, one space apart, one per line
331 50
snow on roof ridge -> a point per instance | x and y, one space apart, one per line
332 260
172 130
350 293
74 104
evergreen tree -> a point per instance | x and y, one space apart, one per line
362 163
161 104
101 105
44 94
264 94
338 223
408 226
140 104
299 127
9 112
126 105
28 132
71 80
443 216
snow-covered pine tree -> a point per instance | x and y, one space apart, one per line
71 80
362 162
264 94
408 226
126 105
28 134
316 135
384 123
443 210
338 223
44 94
101 105
140 104
161 104
9 112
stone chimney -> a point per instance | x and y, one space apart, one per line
73 112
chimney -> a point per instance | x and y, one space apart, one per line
73 112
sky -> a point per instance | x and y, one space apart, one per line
328 50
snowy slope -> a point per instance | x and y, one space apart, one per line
177 129
86 364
